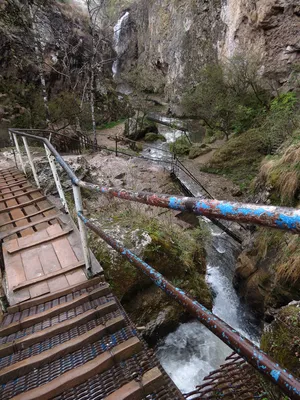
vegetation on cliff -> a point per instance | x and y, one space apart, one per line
262 130
179 255
282 339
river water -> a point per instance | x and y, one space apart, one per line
192 351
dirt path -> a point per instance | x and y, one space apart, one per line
205 158
104 135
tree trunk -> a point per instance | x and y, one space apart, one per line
92 104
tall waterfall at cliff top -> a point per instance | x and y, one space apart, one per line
120 47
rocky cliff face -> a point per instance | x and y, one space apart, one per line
173 39
53 39
62 34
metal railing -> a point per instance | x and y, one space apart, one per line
274 217
78 144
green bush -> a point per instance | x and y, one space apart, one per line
181 146
228 97
153 137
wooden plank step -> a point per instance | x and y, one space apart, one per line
139 389
25 366
25 187
41 241
13 185
9 173
19 195
22 205
4 235
55 295
27 216
11 178
52 312
23 343
5 170
81 374
48 276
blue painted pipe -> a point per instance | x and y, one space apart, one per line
241 345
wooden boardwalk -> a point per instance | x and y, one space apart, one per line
41 250
64 336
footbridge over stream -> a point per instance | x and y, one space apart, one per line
64 334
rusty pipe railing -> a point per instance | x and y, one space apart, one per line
276 217
270 216
241 345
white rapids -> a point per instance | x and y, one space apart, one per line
192 351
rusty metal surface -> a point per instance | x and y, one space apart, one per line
269 216
235 379
275 217
241 345
99 386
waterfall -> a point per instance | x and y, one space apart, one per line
192 351
119 46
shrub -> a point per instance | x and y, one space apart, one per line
228 97
181 146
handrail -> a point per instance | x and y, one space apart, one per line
283 218
277 217
240 344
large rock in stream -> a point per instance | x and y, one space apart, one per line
136 128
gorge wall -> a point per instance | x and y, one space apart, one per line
172 39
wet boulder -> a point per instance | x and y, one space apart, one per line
199 150
137 128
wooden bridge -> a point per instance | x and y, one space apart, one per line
65 335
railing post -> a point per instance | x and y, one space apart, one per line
19 152
82 227
31 162
56 178
116 146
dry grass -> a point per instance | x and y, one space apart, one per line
282 174
264 172
288 184
289 270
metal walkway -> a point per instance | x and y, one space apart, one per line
65 363
63 336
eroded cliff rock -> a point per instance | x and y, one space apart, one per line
267 273
171 40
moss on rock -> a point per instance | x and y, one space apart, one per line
282 339
240 157
196 151
178 255
181 146
153 137
136 128
268 274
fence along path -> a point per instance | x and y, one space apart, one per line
64 335
275 217
179 172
